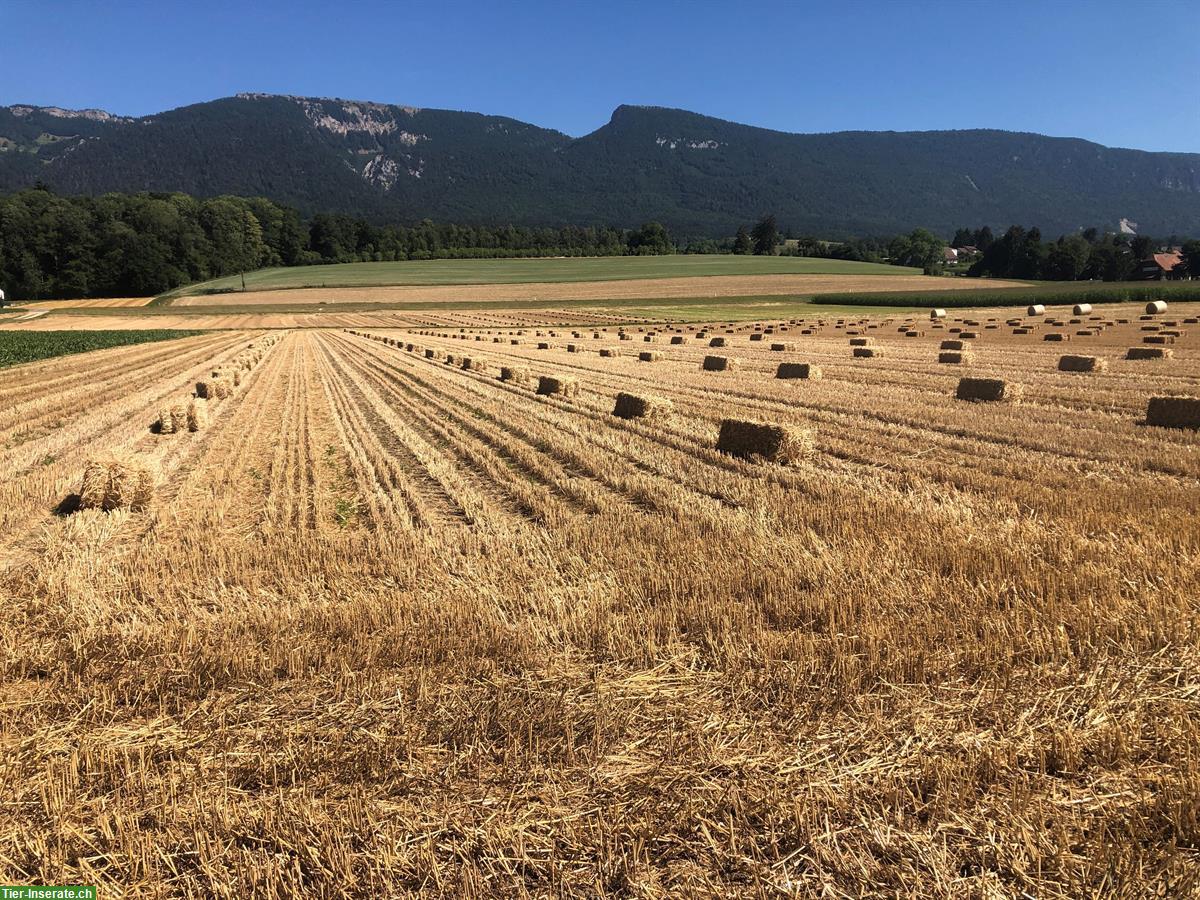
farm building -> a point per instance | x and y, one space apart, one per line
1163 267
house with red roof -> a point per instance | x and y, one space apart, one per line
1162 266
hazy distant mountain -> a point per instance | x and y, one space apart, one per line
697 174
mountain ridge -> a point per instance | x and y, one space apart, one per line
696 173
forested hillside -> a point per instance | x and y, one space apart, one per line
698 175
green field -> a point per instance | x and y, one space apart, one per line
18 347
520 271
1048 293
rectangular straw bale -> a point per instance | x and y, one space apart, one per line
610 352
1071 363
867 352
197 414
798 370
717 342
166 422
649 356
864 341
679 339
757 440
1056 336
558 385
115 483
785 347
1173 412
518 375
954 357
1149 353
718 364
474 364
988 390
952 345
634 406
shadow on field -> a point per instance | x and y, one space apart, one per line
68 506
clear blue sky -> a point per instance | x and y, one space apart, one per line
1122 73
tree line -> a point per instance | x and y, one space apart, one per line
137 245
142 244
1021 253
1089 255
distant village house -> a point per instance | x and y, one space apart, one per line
1163 267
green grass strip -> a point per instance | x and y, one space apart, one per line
19 347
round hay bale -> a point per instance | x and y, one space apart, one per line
1081 309
1036 309
937 314
1156 307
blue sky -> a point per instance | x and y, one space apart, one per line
1121 73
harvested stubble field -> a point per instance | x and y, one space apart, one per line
104 303
394 626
